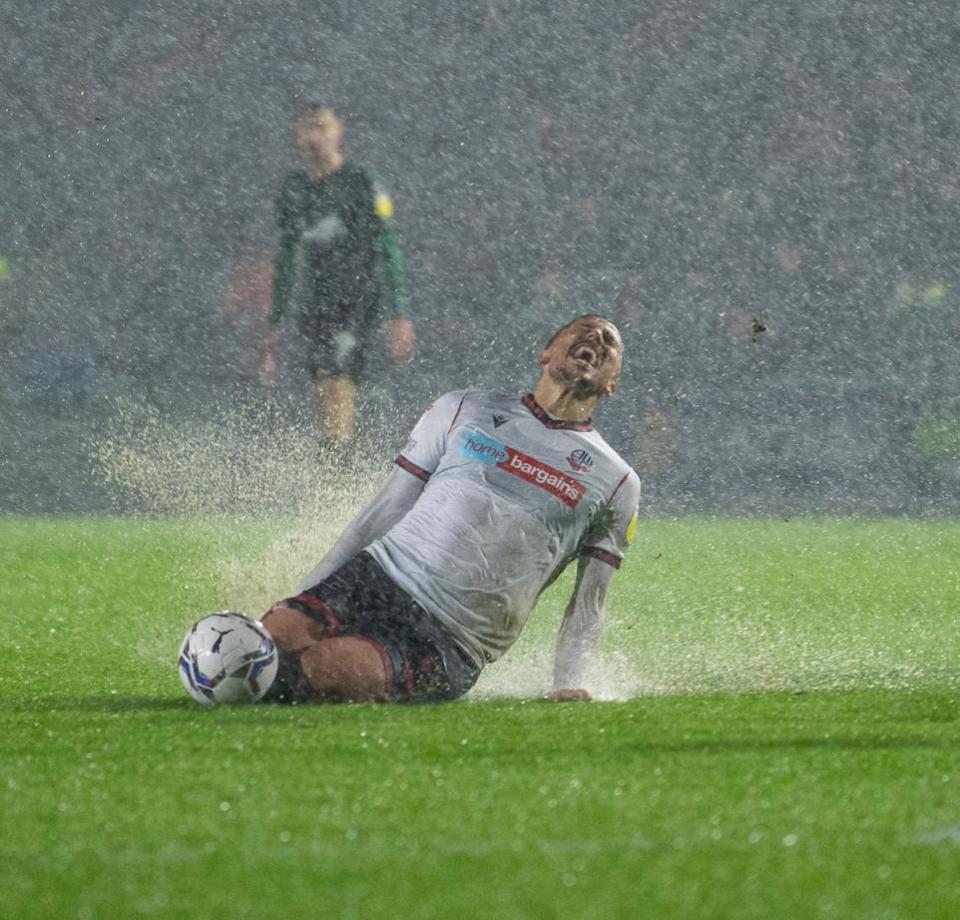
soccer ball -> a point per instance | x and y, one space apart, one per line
227 658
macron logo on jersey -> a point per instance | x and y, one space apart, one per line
530 469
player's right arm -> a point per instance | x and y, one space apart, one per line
413 468
397 496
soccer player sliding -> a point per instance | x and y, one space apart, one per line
490 499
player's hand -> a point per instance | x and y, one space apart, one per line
569 695
400 339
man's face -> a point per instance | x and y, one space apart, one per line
319 133
587 353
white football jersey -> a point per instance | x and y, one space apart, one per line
511 497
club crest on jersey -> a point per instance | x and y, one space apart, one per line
523 466
580 461
499 420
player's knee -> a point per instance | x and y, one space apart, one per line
289 628
273 620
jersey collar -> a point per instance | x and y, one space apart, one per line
540 413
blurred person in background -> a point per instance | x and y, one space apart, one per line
337 259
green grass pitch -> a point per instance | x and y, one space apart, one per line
780 739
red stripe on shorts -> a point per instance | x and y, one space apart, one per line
319 604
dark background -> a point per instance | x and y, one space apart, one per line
764 196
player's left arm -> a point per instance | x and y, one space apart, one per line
392 266
580 630
601 554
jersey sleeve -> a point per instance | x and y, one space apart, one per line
428 440
389 251
611 534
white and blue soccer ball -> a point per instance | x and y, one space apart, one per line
227 658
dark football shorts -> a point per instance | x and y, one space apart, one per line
338 334
422 660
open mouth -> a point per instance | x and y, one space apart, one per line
586 354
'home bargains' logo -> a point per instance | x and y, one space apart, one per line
530 469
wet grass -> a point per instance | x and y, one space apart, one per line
795 752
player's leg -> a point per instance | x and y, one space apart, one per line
346 668
332 395
358 636
317 666
347 342
335 407
292 631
